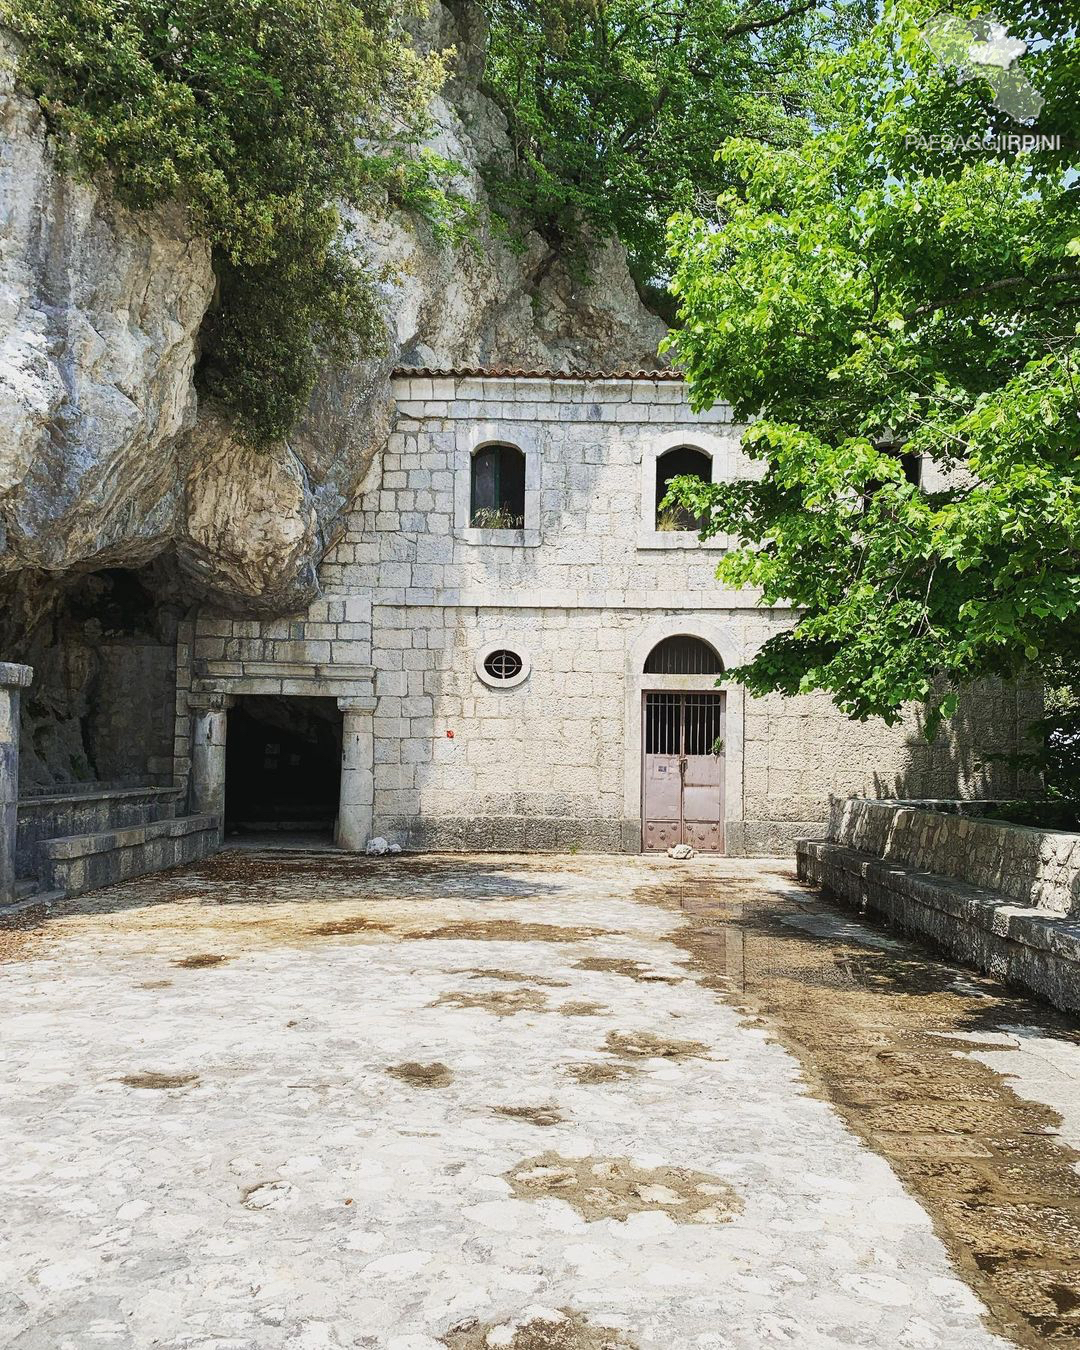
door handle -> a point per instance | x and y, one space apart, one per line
682 767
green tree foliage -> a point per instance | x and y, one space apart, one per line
615 107
875 296
250 112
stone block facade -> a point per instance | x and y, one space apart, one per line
580 591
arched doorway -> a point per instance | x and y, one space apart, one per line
682 742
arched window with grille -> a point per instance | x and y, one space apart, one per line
497 494
683 655
683 461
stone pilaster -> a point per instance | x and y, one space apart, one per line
357 801
209 718
13 678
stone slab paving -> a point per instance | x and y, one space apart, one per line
468 1102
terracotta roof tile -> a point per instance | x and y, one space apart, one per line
516 373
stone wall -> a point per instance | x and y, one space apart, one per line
131 712
800 751
1004 898
334 632
536 766
1033 867
582 592
73 864
57 815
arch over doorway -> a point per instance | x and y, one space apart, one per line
683 654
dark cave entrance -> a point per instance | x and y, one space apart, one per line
282 765
102 706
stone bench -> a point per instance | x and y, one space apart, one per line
85 809
929 876
76 863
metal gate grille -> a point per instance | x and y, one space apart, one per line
683 656
684 724
703 720
663 724
683 770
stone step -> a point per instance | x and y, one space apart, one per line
34 902
85 862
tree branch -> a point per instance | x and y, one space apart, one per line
975 292
758 25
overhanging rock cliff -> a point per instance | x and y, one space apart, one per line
107 457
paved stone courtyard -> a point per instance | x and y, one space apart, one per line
316 1101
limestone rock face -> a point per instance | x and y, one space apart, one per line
106 457
250 526
99 312
492 303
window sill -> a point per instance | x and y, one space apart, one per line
667 539
500 538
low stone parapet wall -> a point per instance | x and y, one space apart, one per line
85 809
78 863
1031 866
1005 898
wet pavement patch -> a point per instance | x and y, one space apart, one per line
587 1074
615 1188
647 1045
511 977
886 1032
557 1329
501 1002
506 930
395 875
422 1075
344 927
534 1115
203 961
160 1081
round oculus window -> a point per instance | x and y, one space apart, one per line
502 666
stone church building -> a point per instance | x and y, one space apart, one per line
516 649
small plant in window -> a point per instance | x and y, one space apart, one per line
679 466
496 518
675 519
498 488
718 746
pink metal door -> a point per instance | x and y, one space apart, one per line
683 771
